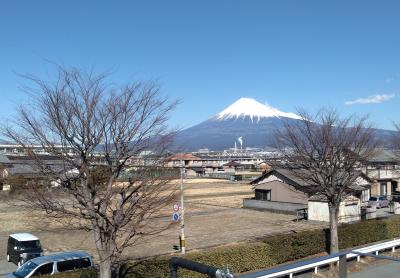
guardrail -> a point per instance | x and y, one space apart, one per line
325 260
291 269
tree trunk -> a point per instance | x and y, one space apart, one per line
105 267
333 228
104 247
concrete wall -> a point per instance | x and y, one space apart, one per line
376 188
282 192
318 211
281 207
349 210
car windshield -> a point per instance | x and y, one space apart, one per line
25 269
372 199
32 244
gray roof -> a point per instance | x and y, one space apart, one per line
292 178
20 169
34 170
56 257
385 155
4 159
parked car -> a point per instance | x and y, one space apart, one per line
22 247
378 201
54 263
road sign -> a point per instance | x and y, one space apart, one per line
176 207
176 216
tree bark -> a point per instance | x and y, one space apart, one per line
333 225
103 245
105 267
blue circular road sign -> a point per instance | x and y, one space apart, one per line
176 216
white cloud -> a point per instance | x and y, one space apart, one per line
371 99
389 80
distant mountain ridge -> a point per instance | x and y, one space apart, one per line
247 118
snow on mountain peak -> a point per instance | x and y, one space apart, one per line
248 107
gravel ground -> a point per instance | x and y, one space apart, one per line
213 217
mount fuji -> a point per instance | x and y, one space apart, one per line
247 118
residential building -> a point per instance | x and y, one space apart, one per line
281 190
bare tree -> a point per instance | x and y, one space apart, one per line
325 152
394 138
95 129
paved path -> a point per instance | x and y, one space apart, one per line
6 268
386 270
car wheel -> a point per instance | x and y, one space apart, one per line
8 258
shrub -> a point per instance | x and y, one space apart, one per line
85 273
361 233
270 251
297 245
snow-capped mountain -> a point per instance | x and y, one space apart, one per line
248 107
247 118
251 121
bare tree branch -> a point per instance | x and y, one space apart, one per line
324 151
94 130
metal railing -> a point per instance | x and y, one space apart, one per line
307 265
324 261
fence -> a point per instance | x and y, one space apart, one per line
324 261
302 266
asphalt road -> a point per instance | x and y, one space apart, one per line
387 270
6 267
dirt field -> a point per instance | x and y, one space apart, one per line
213 217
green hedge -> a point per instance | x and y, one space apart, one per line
270 251
86 273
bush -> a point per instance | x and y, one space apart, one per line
270 251
85 273
296 246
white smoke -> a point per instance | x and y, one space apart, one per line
240 141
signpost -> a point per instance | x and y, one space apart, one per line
176 216
182 237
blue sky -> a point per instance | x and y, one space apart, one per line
288 54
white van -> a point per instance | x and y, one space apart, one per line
54 263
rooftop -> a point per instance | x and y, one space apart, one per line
24 237
385 155
60 257
183 156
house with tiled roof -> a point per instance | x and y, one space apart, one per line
281 190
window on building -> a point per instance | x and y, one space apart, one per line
383 188
365 195
263 194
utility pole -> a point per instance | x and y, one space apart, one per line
182 238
